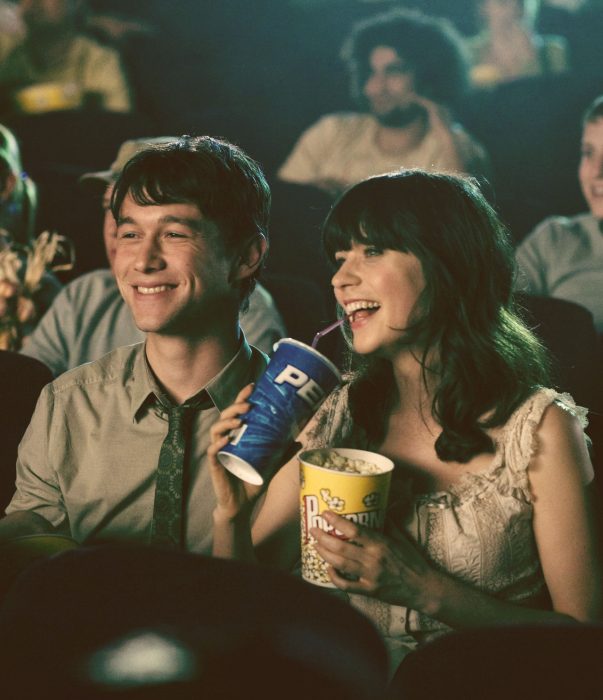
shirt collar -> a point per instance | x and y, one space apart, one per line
222 389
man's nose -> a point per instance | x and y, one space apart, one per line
149 256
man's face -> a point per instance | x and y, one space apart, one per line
390 88
590 171
172 269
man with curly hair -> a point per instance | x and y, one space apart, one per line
407 71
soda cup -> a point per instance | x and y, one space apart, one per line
351 483
296 382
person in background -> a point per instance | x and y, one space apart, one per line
508 47
490 518
89 318
18 195
116 448
56 67
563 256
407 70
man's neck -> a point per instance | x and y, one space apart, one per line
400 140
184 366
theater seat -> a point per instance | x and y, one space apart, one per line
21 380
130 622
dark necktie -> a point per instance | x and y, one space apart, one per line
166 529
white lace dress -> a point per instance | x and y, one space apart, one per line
479 530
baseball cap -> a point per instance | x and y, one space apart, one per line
127 150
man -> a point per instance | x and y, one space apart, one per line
89 317
116 448
75 70
407 70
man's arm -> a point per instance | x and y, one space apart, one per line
24 523
49 342
37 505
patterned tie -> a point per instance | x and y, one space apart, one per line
166 528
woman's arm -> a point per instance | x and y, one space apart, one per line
398 572
249 524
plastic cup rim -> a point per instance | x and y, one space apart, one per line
319 355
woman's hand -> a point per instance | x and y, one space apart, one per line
373 564
234 497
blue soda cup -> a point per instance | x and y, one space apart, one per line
297 380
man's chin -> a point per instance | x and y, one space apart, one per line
399 118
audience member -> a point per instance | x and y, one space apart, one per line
89 318
98 460
563 256
489 521
57 67
18 197
508 47
408 70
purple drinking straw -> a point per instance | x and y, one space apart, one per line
326 330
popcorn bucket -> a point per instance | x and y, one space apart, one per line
351 483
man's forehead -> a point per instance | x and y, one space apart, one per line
187 212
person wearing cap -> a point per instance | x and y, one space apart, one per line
89 317
116 448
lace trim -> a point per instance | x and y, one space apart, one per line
515 446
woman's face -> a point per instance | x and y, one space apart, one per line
378 290
590 171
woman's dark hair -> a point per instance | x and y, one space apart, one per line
226 185
431 46
488 362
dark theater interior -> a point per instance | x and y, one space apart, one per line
301 349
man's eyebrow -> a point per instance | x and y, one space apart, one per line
193 223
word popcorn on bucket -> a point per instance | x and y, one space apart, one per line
352 483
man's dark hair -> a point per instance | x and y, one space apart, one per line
226 185
431 46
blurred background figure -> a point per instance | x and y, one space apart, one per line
563 256
407 71
56 67
17 191
509 47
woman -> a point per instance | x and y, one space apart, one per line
563 256
509 48
489 519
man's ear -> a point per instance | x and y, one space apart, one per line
250 257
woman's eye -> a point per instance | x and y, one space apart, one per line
372 251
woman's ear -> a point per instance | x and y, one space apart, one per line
250 257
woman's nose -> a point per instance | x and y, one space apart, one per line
346 275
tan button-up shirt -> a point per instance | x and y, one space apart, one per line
88 459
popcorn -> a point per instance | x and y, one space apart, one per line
329 459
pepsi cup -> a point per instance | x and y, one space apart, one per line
296 382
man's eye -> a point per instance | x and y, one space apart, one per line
126 234
175 234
